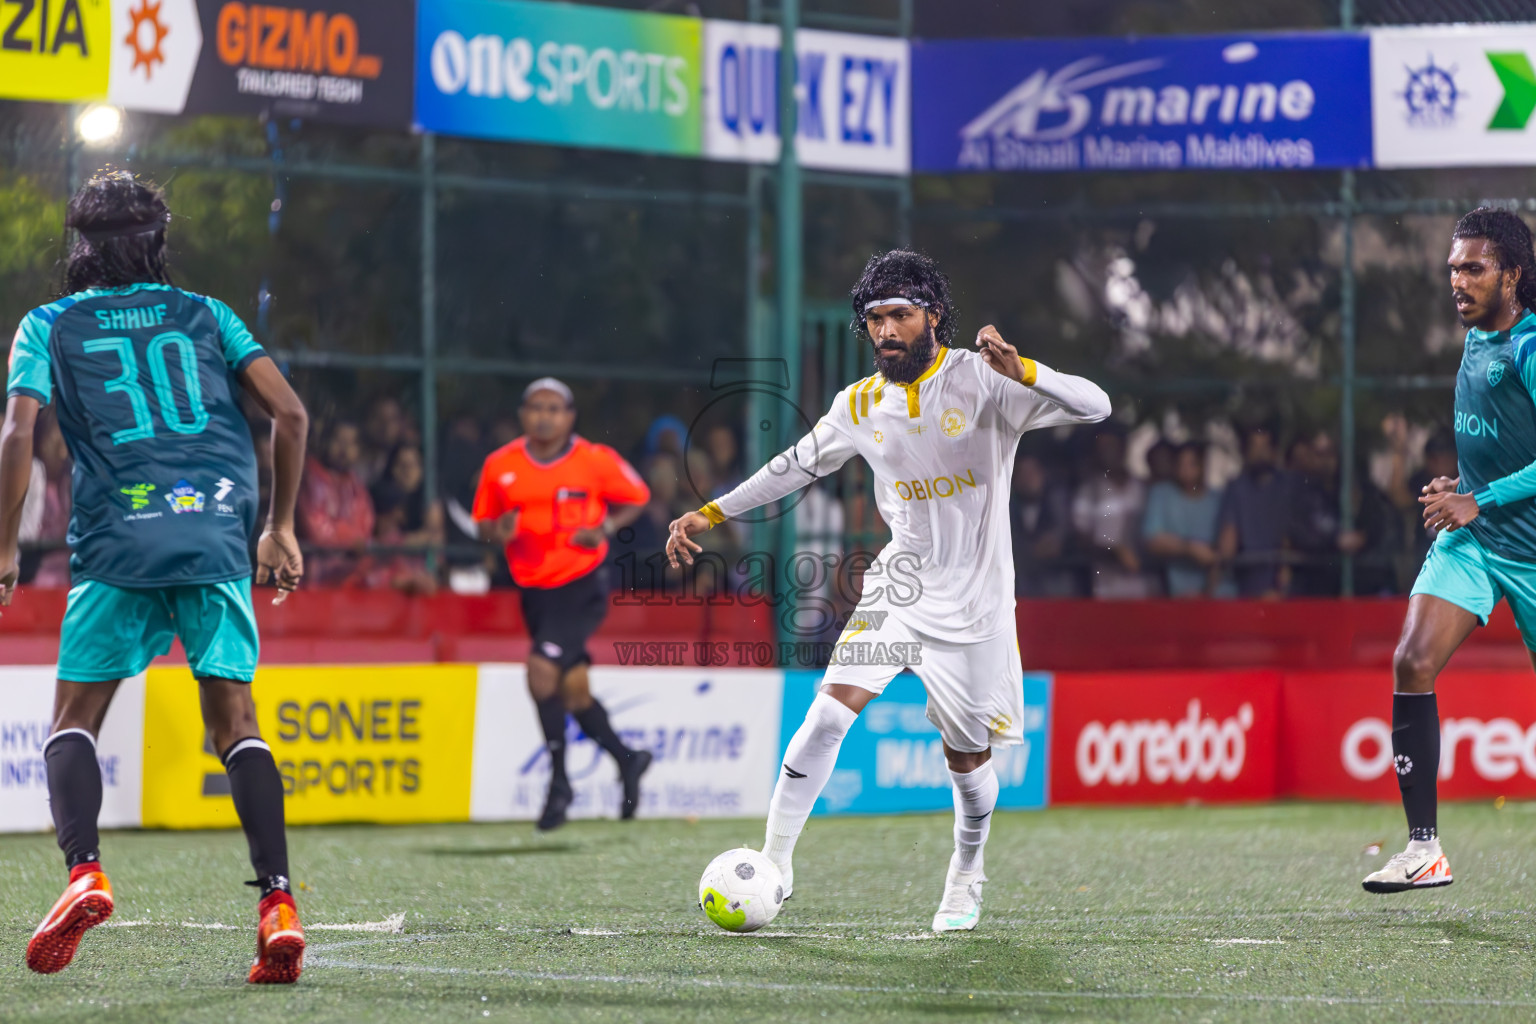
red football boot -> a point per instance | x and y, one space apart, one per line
85 904
279 942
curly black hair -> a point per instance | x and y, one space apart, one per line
1511 241
108 252
910 275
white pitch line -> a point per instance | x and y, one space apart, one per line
393 924
213 927
1245 942
322 962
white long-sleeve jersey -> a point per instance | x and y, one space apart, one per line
942 451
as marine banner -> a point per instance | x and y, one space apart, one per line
1260 102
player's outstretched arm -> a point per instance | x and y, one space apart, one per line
15 476
680 545
277 553
1068 399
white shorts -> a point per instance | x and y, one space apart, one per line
975 690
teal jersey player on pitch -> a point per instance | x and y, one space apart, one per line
1495 555
143 378
1484 519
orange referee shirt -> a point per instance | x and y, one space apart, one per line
553 501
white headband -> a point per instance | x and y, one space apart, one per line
893 302
550 384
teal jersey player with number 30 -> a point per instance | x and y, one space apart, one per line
143 379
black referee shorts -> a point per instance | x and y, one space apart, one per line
561 619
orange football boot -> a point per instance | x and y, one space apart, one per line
85 904
279 942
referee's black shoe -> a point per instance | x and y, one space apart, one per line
556 803
630 770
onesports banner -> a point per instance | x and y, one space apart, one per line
853 91
892 759
559 73
1260 102
1454 95
384 743
713 734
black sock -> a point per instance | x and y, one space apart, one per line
552 721
257 787
1416 756
594 722
74 791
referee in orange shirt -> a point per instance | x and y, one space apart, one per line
546 497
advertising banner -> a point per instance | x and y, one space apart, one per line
1454 95
559 73
26 717
892 760
714 735
1262 102
336 60
383 744
1154 737
55 49
854 98
155 49
1337 734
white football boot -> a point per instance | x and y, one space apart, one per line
1422 866
961 907
787 872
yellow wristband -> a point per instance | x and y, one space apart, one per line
1031 371
713 514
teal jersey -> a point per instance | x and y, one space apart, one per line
1496 436
143 380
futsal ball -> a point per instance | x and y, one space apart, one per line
741 890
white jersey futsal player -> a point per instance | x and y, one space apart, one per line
939 428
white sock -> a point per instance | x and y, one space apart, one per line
975 799
807 766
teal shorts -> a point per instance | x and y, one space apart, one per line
114 632
1460 570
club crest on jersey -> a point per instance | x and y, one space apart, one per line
185 498
952 422
879 437
1496 371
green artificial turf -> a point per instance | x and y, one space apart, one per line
1195 914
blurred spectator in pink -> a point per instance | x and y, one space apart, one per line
405 518
335 509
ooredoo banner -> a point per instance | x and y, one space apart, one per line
1153 737
1337 736
560 73
714 735
384 743
1260 102
1454 95
892 759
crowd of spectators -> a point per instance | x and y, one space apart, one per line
1099 512
1087 523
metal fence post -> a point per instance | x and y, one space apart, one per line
429 321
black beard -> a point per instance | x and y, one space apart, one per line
910 364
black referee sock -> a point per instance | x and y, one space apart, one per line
1416 756
593 720
258 791
552 721
74 793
